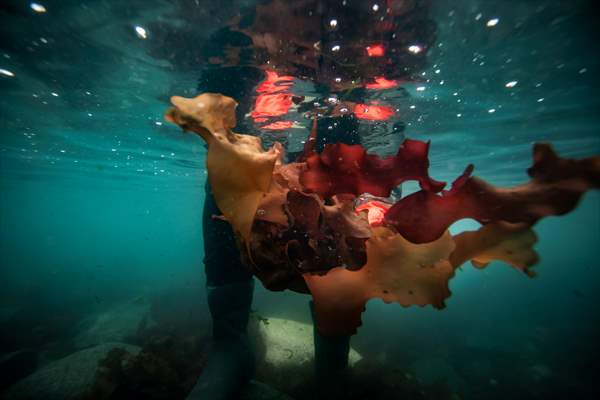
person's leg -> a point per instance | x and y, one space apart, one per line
331 352
229 290
231 362
229 284
331 362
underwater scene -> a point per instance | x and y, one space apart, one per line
299 199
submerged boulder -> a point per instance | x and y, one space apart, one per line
72 377
285 351
124 323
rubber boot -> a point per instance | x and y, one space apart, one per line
331 360
231 363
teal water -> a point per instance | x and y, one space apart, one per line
101 200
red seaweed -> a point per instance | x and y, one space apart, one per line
555 189
343 169
299 227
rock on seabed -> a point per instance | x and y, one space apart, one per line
121 324
69 378
285 351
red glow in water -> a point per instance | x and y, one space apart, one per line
274 100
376 50
275 83
373 112
381 83
278 126
272 105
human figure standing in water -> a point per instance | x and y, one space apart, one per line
341 47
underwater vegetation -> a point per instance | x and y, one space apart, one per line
298 227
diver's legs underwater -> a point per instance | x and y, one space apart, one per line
229 290
231 362
230 285
331 354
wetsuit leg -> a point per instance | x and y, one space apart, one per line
331 352
222 261
229 284
229 288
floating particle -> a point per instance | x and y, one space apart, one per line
6 72
141 32
493 22
415 49
376 50
37 7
